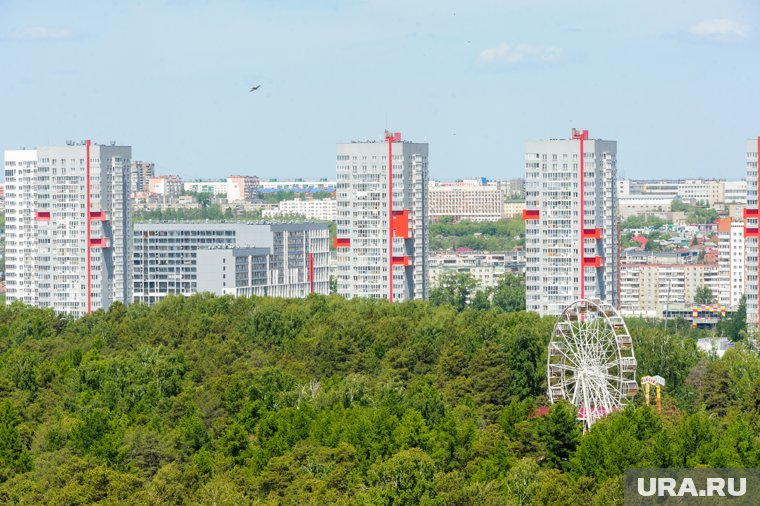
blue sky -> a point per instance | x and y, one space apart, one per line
676 82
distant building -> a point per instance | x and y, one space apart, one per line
216 188
486 268
735 192
646 205
297 186
382 223
571 243
473 202
751 238
242 189
68 227
708 192
731 261
279 260
649 289
140 174
167 187
514 209
312 209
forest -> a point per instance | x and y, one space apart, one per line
230 401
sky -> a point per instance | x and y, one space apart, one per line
676 83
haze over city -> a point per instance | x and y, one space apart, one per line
674 83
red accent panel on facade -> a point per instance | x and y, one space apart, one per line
531 214
401 223
404 260
593 262
592 233
750 232
98 216
311 272
341 243
42 216
99 242
750 213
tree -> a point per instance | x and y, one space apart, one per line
704 295
735 328
404 479
560 434
509 294
454 289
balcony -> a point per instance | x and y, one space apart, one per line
595 262
100 242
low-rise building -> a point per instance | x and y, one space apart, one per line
277 259
473 202
242 189
649 289
167 187
298 186
486 268
514 209
312 209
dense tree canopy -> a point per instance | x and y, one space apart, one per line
502 235
229 401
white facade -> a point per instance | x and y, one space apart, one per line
217 188
474 202
634 205
322 209
569 258
705 191
735 192
382 246
279 259
59 253
291 185
731 261
751 236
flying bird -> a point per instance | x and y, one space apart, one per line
255 88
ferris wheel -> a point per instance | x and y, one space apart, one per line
591 362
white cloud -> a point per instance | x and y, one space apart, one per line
720 30
41 33
510 54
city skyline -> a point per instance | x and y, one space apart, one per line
479 77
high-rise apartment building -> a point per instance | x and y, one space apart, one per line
382 234
68 226
731 261
571 232
141 172
751 237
